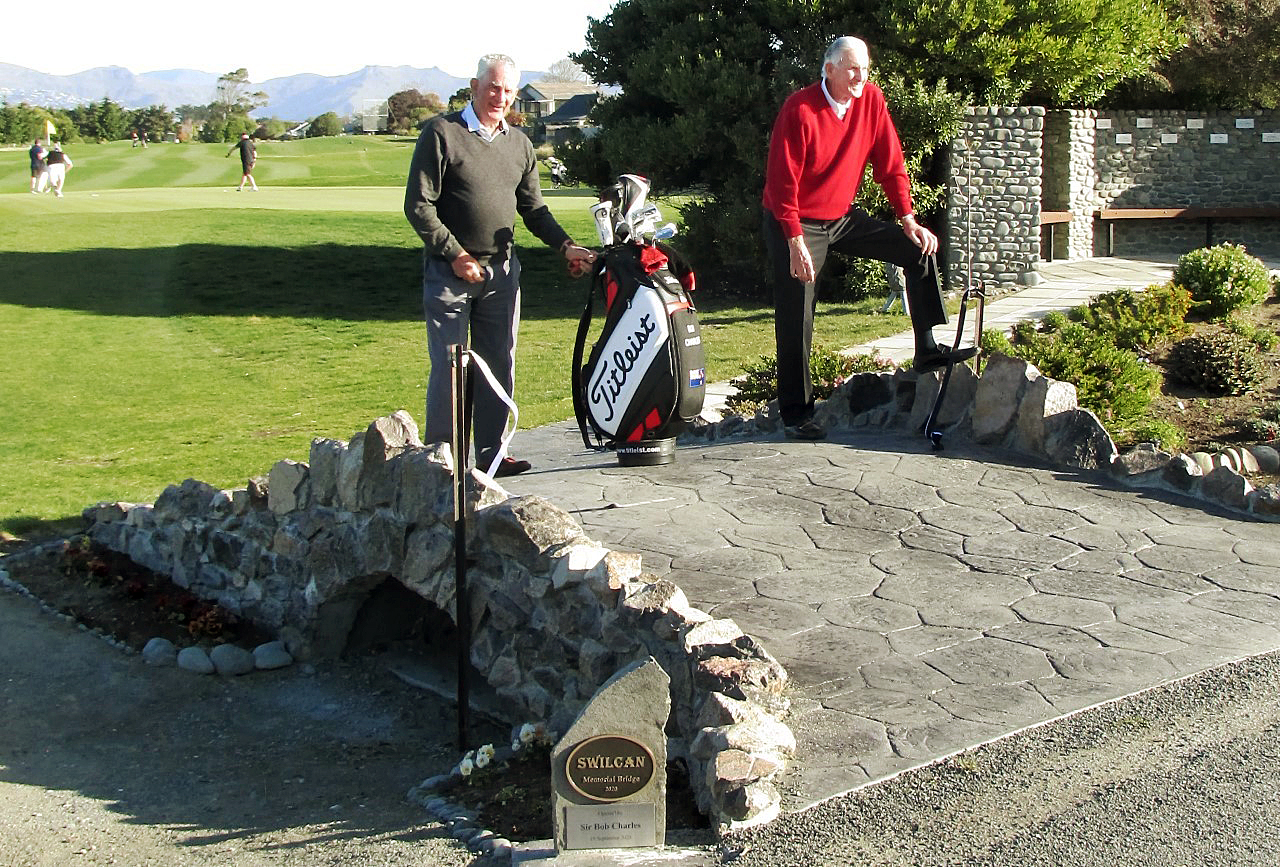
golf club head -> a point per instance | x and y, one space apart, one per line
665 232
602 213
635 190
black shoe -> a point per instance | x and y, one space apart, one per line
806 430
511 467
941 356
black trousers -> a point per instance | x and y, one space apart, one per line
858 234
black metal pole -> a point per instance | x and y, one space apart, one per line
462 599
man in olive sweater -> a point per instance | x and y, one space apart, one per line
470 176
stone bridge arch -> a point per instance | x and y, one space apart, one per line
554 614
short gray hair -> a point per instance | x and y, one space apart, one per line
489 61
840 47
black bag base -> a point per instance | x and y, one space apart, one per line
647 453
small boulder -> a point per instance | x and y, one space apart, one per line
230 660
160 651
195 659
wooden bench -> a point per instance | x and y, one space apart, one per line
1052 219
1190 212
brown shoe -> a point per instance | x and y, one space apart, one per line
511 467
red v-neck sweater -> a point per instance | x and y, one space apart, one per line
816 159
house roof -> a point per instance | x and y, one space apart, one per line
573 111
539 90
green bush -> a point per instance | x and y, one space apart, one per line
828 370
1114 383
1164 434
994 340
1218 362
1263 338
1222 279
1136 320
1263 425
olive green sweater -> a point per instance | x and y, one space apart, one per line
464 193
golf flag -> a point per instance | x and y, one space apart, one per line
49 129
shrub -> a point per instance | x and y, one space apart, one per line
828 369
1114 383
994 340
1260 429
1136 320
1222 279
1263 338
1218 362
1164 434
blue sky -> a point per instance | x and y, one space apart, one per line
288 37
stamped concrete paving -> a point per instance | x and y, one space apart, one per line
926 602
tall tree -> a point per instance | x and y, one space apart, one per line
1228 61
234 96
152 122
406 109
566 70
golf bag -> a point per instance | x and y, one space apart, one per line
645 377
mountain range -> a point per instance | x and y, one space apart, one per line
293 97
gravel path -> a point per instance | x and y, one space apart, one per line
1188 774
105 760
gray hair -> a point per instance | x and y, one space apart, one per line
840 47
490 61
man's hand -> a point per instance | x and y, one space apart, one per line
919 235
801 261
579 259
467 268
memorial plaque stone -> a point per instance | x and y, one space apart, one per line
609 771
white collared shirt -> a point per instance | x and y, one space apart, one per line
472 121
838 107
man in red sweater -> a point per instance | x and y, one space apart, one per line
823 139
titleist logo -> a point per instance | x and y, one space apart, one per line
612 378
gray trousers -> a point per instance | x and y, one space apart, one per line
484 317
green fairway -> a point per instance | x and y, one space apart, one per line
162 333
341 161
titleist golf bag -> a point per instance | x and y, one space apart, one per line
645 377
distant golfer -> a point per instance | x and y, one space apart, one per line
39 167
59 165
248 156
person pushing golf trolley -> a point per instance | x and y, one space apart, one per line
645 378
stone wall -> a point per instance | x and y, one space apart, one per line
993 198
554 615
1071 181
1008 165
1164 159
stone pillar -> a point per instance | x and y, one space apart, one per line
993 198
1070 179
